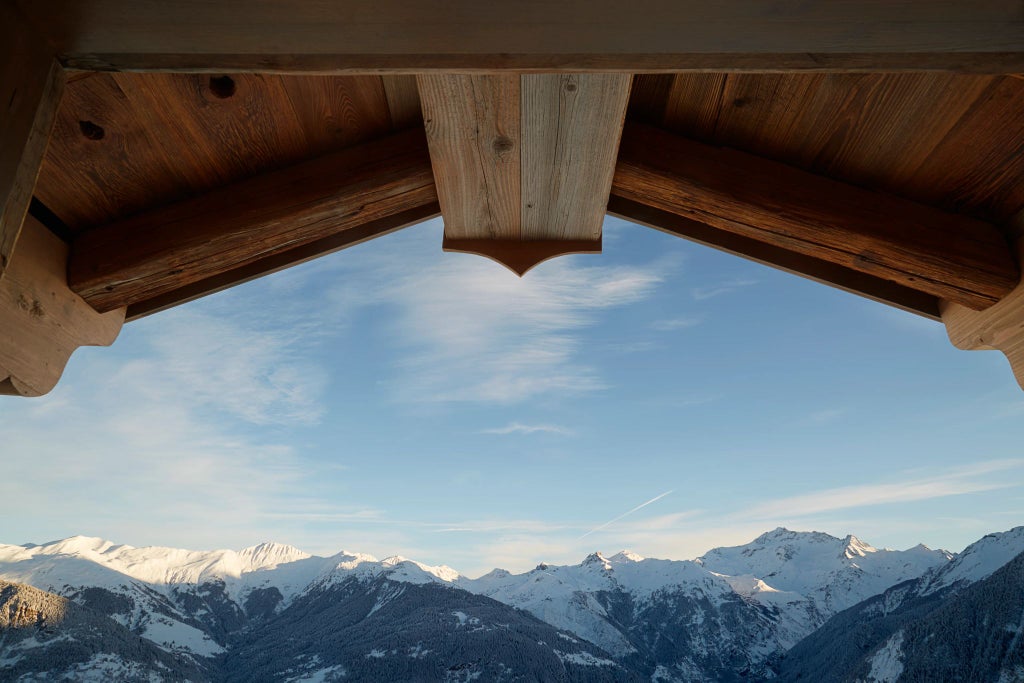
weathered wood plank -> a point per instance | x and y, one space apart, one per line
42 322
124 143
571 126
473 130
946 255
165 249
518 35
31 82
832 274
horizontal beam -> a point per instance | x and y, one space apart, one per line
841 277
157 252
527 35
943 255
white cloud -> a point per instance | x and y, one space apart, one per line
519 428
952 483
704 293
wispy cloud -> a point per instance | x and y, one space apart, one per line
466 329
952 483
704 293
670 324
519 428
626 514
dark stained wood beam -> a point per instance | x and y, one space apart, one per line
285 259
149 256
31 82
948 256
527 35
841 277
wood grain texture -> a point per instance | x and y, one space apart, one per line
473 129
571 125
31 82
166 137
952 141
825 272
1000 327
403 101
42 322
285 259
945 255
518 35
159 251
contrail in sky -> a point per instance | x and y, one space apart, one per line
625 514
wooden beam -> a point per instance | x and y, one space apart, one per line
473 130
841 277
944 255
31 82
525 35
286 259
157 252
523 163
571 128
42 322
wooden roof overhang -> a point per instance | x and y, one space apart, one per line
166 149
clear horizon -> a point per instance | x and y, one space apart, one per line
391 399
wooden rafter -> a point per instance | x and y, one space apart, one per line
30 86
331 198
520 35
948 256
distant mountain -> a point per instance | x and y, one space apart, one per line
726 616
272 612
958 622
42 633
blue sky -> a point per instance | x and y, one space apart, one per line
393 399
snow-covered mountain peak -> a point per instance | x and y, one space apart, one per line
596 559
625 556
978 560
854 547
269 555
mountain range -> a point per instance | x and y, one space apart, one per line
787 606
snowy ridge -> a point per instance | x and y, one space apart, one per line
978 560
834 573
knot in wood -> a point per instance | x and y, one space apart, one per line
503 145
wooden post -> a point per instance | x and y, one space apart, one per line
31 82
42 322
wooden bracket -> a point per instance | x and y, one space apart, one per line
42 322
999 327
521 256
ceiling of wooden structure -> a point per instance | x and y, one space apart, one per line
126 144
